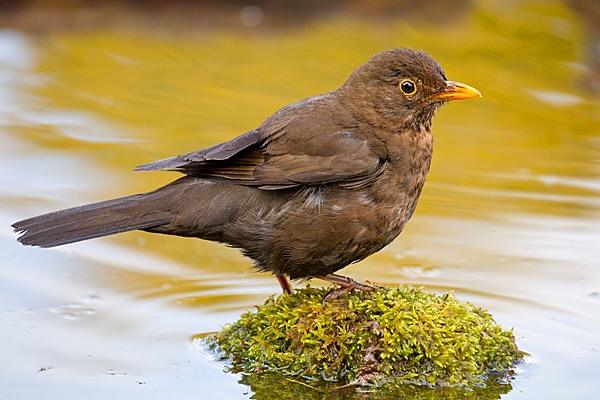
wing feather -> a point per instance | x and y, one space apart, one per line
307 143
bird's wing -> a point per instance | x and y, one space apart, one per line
311 151
219 152
287 151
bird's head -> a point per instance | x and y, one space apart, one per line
402 88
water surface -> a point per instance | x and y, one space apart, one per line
509 218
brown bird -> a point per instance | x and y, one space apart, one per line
322 183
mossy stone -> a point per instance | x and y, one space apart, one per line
392 336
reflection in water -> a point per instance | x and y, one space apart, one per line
156 15
269 387
508 219
588 11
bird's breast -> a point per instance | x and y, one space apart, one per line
398 189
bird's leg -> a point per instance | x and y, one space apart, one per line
284 283
347 285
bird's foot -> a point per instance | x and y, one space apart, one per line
347 285
284 283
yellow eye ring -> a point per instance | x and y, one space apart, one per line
407 86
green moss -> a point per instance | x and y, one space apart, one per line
389 336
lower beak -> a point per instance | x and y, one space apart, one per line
457 91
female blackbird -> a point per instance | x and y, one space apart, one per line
322 183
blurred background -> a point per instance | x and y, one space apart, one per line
509 218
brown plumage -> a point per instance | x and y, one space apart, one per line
322 183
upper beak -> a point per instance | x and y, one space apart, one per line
457 91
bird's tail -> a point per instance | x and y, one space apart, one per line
92 221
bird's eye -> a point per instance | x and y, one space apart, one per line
408 87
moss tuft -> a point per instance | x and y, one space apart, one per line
389 336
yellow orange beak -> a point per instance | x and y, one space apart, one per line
457 91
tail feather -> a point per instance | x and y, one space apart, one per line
91 221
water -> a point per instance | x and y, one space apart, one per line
509 218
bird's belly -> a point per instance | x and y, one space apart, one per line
326 230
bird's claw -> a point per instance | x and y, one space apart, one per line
348 285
